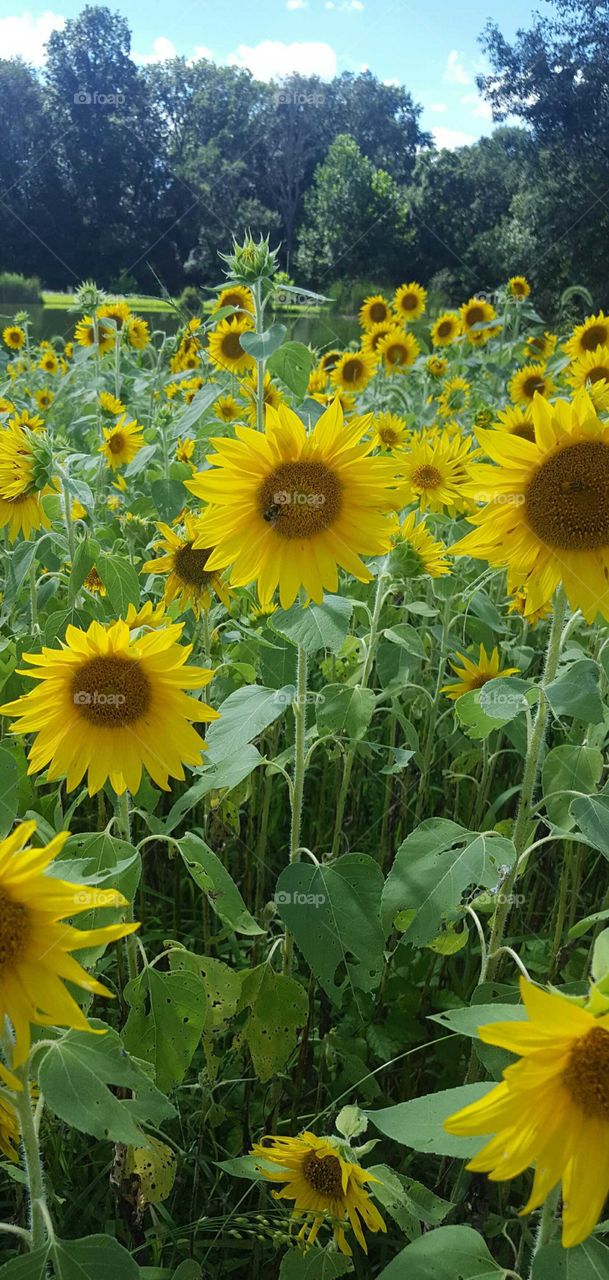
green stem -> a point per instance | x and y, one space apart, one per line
39 1216
547 1225
67 503
433 716
529 780
33 597
259 322
123 822
300 724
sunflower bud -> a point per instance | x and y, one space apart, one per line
251 261
88 297
42 458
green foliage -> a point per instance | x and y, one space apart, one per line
17 288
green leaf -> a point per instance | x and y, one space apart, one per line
292 363
341 709
583 926
600 956
591 814
570 767
498 701
210 874
9 790
77 1075
262 345
279 1008
32 1266
433 868
83 562
333 912
197 407
167 1016
406 636
449 1253
420 1123
315 1264
168 497
121 583
575 692
467 1021
188 1270
95 1257
588 1261
320 626
228 773
243 716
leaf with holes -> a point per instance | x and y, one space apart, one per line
164 1027
278 1008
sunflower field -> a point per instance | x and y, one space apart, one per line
304 811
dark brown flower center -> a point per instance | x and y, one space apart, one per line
111 692
475 315
426 476
444 328
595 336
323 1175
330 359
300 499
586 1076
409 302
352 371
533 384
601 373
378 312
14 931
397 353
231 346
567 500
116 443
478 680
525 431
190 565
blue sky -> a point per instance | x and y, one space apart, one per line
431 47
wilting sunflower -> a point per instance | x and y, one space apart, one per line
390 431
44 398
289 508
398 351
518 420
518 604
150 615
551 1109
23 481
416 550
353 371
118 311
474 674
372 337
138 333
225 348
9 1132
188 579
35 941
478 312
249 388
592 371
107 704
324 1185
446 329
527 382
14 337
518 287
374 310
593 333
111 404
437 366
547 512
85 335
227 409
437 472
94 584
409 301
540 346
237 296
121 442
454 397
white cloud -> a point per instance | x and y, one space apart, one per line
346 6
162 49
451 138
25 36
479 107
454 72
296 4
272 59
438 106
201 51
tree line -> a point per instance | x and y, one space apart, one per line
124 173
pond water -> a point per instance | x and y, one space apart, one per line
321 329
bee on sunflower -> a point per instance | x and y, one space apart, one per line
121 442
474 674
188 580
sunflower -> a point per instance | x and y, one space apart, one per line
27 420
398 351
518 287
353 371
323 1184
68 350
415 547
44 398
390 431
107 704
150 615
188 579
474 674
184 450
518 604
550 1109
94 584
317 381
329 360
111 404
547 512
14 337
6 406
593 333
289 508
454 397
478 312
21 485
9 1132
49 362
77 511
227 409
85 335
138 333
121 442
225 348
527 382
249 389
36 942
541 346
409 301
437 472
437 366
516 419
446 329
343 398
118 311
592 371
374 310
237 296
372 338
